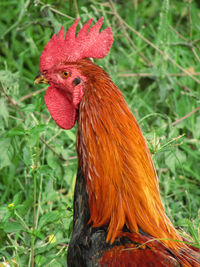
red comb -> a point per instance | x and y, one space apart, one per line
69 47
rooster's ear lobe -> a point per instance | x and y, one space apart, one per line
77 81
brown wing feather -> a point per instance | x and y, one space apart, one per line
147 252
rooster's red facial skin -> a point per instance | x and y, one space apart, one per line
56 78
63 96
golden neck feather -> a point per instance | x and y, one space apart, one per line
122 184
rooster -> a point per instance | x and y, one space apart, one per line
119 219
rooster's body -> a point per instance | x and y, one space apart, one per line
88 246
119 219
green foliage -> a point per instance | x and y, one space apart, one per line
154 61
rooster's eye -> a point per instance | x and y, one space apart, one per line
65 74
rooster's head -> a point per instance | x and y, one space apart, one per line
58 68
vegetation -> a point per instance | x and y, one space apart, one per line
155 61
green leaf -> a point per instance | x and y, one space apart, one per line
49 217
170 161
52 160
40 260
17 131
4 147
13 227
29 108
26 156
3 109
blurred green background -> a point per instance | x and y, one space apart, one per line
155 61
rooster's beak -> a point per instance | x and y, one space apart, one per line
40 78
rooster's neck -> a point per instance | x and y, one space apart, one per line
121 182
81 209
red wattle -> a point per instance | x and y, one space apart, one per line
60 108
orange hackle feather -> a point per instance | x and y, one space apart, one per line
122 184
